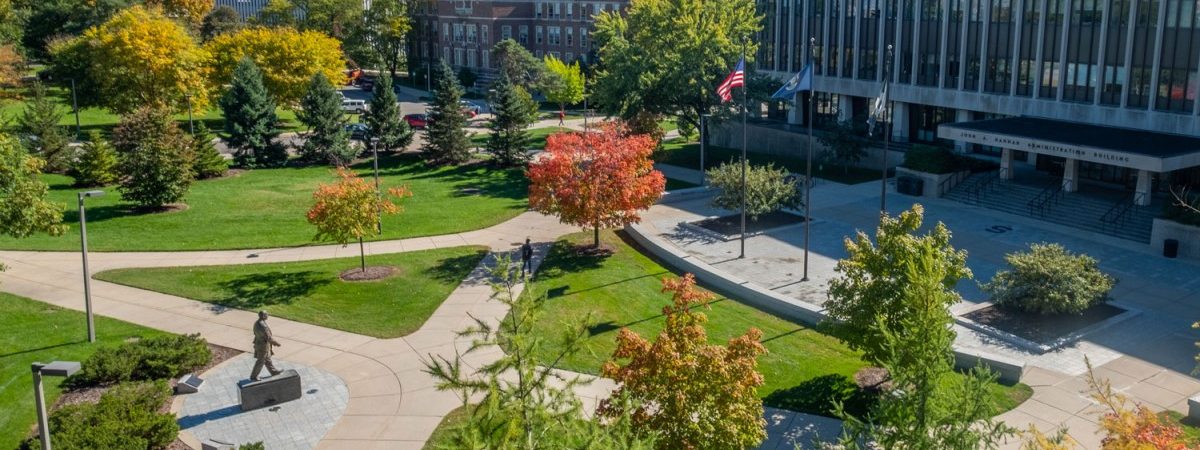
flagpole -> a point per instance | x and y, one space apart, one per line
744 113
887 135
812 42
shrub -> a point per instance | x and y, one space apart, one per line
154 158
208 162
768 188
96 164
929 159
1048 279
153 358
253 446
125 418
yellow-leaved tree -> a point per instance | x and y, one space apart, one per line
137 58
190 11
288 58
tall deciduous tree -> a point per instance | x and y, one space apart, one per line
567 89
24 209
384 122
350 208
221 20
321 110
287 58
515 61
513 110
445 138
869 278
767 189
595 179
667 57
97 162
924 411
380 38
40 133
250 119
138 57
693 394
154 158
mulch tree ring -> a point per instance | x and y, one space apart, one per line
602 251
373 273
873 379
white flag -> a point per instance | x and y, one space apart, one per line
878 110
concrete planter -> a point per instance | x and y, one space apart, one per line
1187 235
933 180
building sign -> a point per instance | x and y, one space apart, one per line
1079 152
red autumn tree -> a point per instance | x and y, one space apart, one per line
351 208
692 394
597 179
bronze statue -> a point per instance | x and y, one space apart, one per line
263 343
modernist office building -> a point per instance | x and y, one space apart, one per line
1102 93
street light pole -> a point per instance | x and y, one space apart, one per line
54 369
703 143
191 126
75 107
87 285
378 193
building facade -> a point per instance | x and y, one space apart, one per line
463 32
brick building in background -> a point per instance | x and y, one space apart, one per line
463 32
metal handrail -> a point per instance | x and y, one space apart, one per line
1116 213
975 193
957 178
1043 200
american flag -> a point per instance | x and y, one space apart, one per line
735 79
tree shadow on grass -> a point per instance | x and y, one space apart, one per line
817 396
454 269
271 288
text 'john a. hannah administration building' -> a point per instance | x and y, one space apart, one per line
1089 107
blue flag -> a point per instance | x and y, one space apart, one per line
801 81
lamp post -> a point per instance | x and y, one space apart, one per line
87 286
54 369
378 193
75 107
703 143
191 126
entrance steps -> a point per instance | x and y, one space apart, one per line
1077 210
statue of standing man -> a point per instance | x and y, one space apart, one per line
263 347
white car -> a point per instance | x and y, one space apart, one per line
354 106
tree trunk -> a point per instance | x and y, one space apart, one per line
596 236
362 255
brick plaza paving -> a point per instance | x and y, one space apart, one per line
1148 357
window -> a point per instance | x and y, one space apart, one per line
570 11
570 57
524 36
537 53
506 32
570 36
583 38
446 54
484 57
483 34
458 32
471 59
471 36
445 31
554 35
538 33
458 57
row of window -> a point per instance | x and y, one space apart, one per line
556 10
481 59
553 35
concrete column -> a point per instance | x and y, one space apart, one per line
1006 172
845 108
1070 182
900 122
1142 197
961 147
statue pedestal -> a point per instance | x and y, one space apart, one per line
277 389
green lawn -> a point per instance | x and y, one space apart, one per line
104 120
37 332
266 208
805 369
449 424
312 292
687 155
537 137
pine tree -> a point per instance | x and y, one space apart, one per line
250 119
445 137
97 162
321 111
154 158
383 119
40 133
208 162
513 111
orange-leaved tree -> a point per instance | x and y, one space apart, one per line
351 208
596 179
692 394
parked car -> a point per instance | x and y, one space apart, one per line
354 106
358 131
418 121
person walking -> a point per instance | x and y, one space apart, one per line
526 259
562 115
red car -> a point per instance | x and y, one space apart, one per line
418 121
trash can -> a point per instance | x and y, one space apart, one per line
1170 248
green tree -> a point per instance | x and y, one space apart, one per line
154 158
514 60
207 161
24 209
667 57
513 110
445 139
526 403
927 409
97 162
321 111
221 20
1048 279
40 133
467 77
567 89
384 122
351 209
846 148
250 119
869 278
768 189
50 19
380 38
277 13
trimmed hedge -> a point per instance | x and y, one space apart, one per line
1048 279
126 418
940 160
154 358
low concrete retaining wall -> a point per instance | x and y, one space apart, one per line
932 180
1187 235
683 195
1009 370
